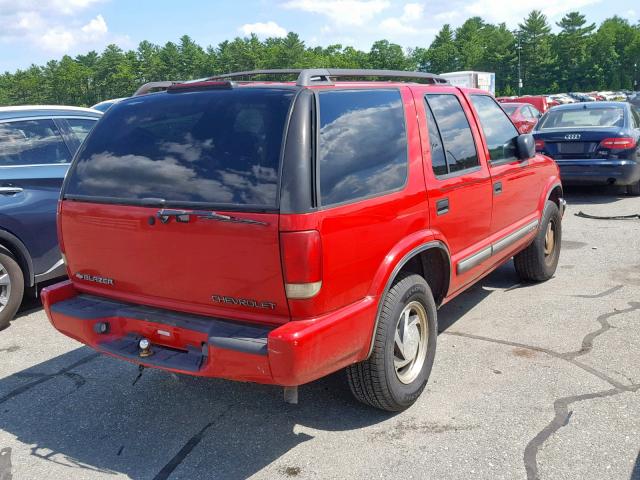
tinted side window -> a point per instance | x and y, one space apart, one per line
498 130
535 112
362 149
81 127
526 111
438 159
456 134
32 142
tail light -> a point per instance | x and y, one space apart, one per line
59 229
620 143
302 263
539 145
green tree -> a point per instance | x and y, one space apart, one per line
571 46
442 54
538 60
387 56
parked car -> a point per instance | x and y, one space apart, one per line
106 104
594 143
561 98
218 229
582 97
540 102
36 146
523 115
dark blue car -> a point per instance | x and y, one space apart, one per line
593 143
36 146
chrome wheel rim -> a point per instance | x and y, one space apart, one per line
549 239
410 342
5 287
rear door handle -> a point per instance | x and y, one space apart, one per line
10 190
442 206
497 188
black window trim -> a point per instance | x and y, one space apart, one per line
60 132
245 208
458 173
318 200
502 161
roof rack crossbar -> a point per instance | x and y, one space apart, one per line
148 87
324 76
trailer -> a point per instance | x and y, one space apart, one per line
470 79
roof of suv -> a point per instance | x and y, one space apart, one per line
45 110
311 77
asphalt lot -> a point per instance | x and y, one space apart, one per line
530 381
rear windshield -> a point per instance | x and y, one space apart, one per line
583 117
509 108
213 147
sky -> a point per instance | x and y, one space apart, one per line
35 31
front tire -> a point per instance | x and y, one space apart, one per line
538 262
396 372
11 288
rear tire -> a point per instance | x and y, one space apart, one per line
396 372
538 262
634 189
11 288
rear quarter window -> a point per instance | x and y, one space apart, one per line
362 150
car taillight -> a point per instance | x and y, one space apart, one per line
539 145
302 263
59 229
620 143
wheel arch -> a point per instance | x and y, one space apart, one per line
432 261
17 249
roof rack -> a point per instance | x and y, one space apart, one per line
148 87
324 76
306 77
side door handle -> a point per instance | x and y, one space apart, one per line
497 188
442 206
10 190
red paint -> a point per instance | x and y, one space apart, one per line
619 143
523 122
352 248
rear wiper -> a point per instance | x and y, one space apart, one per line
183 216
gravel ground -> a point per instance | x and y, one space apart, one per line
530 381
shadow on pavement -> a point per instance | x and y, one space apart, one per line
594 195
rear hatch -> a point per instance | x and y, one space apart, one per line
173 202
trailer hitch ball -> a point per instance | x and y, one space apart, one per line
145 348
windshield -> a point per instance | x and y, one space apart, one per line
583 117
217 147
510 109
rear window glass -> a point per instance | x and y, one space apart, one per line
216 147
583 117
32 142
363 144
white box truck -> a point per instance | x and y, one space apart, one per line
469 79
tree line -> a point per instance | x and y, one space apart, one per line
579 57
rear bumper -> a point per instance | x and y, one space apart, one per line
291 354
596 172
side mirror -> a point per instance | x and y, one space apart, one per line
526 146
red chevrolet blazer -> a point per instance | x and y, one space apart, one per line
279 231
